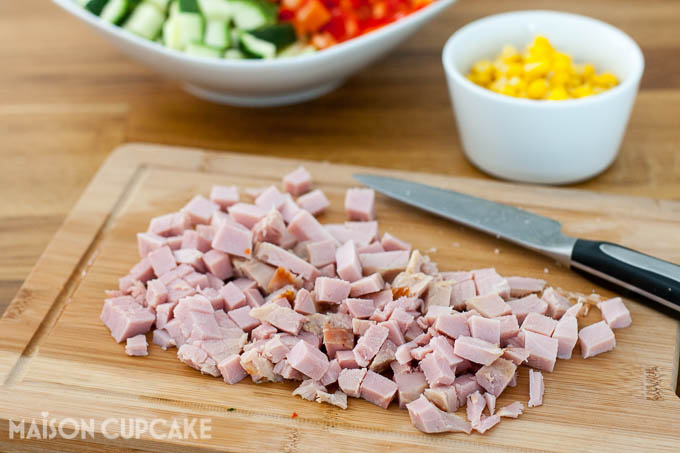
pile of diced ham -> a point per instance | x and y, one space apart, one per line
265 290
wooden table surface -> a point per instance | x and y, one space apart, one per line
67 98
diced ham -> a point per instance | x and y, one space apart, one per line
247 214
304 302
337 339
409 387
162 260
276 256
200 209
390 243
360 308
516 355
542 350
437 370
496 376
156 293
297 181
288 209
175 242
350 381
387 264
336 399
168 225
360 204
575 310
539 324
234 240
271 228
253 297
286 320
489 306
465 385
373 247
474 407
241 316
377 389
233 296
263 332
331 290
529 304
224 196
512 410
509 327
369 344
321 253
343 233
557 303
308 360
486 423
136 346
192 257
426 417
347 262
492 284
536 388
332 373
485 329
231 369
523 286
395 334
286 371
305 227
490 402
453 326
346 359
314 201
163 339
308 389
192 240
367 285
125 318
596 339
270 198
566 334
615 313
443 396
476 350
198 359
148 242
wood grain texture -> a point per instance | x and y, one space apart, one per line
61 359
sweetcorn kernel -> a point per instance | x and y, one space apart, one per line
539 72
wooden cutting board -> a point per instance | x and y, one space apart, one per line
57 357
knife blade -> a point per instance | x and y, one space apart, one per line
651 277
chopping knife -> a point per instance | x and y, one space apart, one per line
653 278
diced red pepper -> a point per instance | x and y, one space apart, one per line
311 16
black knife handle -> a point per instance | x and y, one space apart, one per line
655 279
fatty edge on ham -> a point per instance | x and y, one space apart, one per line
263 289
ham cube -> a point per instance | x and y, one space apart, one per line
509 327
347 262
367 285
575 310
395 335
162 260
269 199
314 202
566 334
403 319
474 407
271 228
369 344
246 214
289 208
390 243
274 349
517 355
321 253
338 398
492 284
437 370
489 306
387 264
426 417
263 332
327 271
241 316
304 303
276 256
346 359
198 359
453 326
192 240
557 303
308 360
513 410
409 387
233 296
476 350
373 247
542 350
360 308
331 290
164 313
461 292
197 280
360 326
332 374
305 227
368 228
539 324
443 396
286 320
219 264
377 389
490 402
486 423
495 378
163 339
148 242
337 339
175 242
615 313
596 339
136 346
384 357
465 385
253 297
200 210
343 233
156 293
523 286
125 318
529 304
233 239
283 278
168 225
286 371
297 181
192 257
350 381
360 204
231 369
536 388
485 329
224 196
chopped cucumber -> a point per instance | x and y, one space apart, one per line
257 48
171 34
295 49
250 14
115 11
95 6
234 54
174 9
215 9
281 35
146 21
189 22
201 50
160 4
217 34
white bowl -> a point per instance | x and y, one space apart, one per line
556 142
261 83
